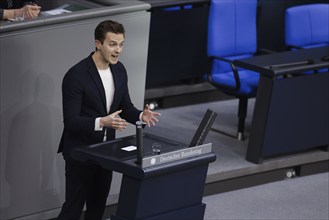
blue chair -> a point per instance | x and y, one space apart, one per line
178 8
307 26
232 35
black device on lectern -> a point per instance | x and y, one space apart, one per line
203 129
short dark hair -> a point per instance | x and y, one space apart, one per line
108 26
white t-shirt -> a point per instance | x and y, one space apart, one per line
108 84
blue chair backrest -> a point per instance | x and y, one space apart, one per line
307 25
178 8
231 31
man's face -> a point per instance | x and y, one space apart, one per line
111 47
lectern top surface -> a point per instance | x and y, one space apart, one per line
114 148
110 155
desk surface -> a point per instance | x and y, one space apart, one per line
265 64
170 3
93 9
288 117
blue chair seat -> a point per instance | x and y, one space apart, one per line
316 45
222 75
248 81
310 46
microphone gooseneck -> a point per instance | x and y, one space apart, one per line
139 141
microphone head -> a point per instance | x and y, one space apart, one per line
139 123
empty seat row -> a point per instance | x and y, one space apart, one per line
232 35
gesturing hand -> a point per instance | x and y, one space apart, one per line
150 117
114 121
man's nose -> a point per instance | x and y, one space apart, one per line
118 49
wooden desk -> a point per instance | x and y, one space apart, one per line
291 113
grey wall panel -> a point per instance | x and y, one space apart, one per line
33 63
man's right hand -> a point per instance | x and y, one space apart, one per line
113 121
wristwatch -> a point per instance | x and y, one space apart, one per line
29 3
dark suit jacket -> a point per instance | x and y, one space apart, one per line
84 101
16 3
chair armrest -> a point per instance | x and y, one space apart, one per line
235 74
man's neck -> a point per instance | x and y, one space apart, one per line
99 62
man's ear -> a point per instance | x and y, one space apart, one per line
98 44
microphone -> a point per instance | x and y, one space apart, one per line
305 62
139 141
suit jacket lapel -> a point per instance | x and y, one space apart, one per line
117 82
97 80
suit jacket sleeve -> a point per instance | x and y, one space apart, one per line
76 116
